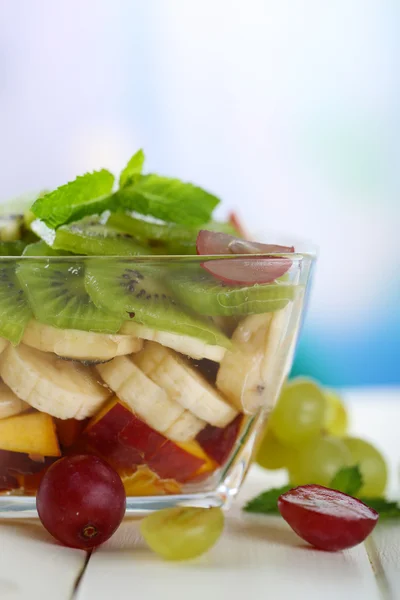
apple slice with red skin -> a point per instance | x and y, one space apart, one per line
263 269
325 518
126 442
102 436
218 442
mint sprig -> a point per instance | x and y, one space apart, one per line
86 195
267 502
348 480
168 199
133 169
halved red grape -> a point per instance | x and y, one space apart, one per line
214 242
325 518
81 501
242 271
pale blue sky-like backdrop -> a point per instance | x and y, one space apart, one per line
287 109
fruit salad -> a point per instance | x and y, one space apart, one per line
137 328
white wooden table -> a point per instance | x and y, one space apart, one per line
257 556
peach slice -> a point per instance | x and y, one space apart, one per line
144 482
31 433
69 430
126 441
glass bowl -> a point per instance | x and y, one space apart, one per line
153 363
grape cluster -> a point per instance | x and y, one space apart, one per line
307 435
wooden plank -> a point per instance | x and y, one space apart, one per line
33 566
384 552
257 555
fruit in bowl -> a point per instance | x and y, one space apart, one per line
137 329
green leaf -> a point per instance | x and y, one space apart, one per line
87 194
168 199
348 480
385 508
132 170
267 502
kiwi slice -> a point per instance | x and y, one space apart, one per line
91 236
15 248
164 238
209 296
56 291
14 308
134 291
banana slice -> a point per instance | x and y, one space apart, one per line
185 428
10 404
184 384
145 398
251 375
185 344
62 389
79 345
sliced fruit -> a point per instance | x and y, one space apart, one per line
148 400
23 464
185 344
218 442
69 431
208 296
33 433
185 428
134 292
12 248
144 482
56 292
126 441
250 375
102 436
325 518
14 308
10 404
63 389
78 344
184 384
91 236
212 243
209 464
163 238
248 271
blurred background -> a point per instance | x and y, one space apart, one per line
286 109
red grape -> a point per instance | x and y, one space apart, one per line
325 518
81 501
240 270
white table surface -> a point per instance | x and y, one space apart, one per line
256 555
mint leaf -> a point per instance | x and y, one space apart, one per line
87 194
132 170
348 480
385 508
267 502
168 199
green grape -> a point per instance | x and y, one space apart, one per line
271 453
181 533
372 466
318 461
299 413
336 420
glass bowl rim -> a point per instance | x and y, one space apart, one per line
295 257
